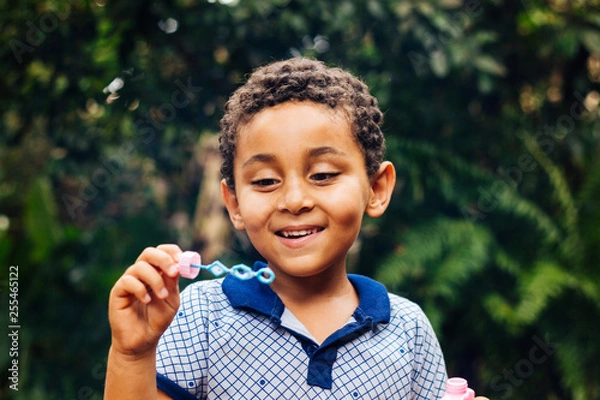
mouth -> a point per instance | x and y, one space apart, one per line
295 233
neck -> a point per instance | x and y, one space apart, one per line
329 286
322 303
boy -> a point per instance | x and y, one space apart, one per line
302 163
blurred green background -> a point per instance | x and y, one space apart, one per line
108 117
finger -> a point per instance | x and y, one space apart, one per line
128 285
160 259
175 252
481 398
172 249
151 277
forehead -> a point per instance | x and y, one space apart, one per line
317 122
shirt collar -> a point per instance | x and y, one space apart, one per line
374 302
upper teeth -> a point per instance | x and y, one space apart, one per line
298 233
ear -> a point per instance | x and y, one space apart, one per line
233 206
382 187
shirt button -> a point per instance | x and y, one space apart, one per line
311 349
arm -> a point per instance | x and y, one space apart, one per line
130 377
163 396
142 304
429 374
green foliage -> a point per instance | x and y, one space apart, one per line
492 118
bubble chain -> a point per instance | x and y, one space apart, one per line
190 264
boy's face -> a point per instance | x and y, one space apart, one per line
301 188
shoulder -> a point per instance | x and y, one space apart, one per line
405 309
409 315
210 286
200 302
202 293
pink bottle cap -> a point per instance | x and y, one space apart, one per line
186 259
458 388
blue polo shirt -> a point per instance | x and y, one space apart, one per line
234 339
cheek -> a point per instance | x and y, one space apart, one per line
254 212
346 209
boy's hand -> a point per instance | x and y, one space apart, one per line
144 301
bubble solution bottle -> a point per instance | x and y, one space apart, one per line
458 389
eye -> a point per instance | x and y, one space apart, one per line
324 176
264 183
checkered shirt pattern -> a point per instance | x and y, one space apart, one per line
227 342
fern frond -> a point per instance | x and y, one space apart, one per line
444 252
588 200
454 179
420 152
504 261
568 218
510 202
538 286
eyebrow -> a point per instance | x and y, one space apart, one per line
259 158
325 150
312 153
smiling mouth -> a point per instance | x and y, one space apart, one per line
296 234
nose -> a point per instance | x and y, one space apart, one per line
295 197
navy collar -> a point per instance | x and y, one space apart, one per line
374 303
373 308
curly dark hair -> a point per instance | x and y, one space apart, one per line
303 79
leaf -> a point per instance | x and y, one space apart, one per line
489 65
439 63
447 251
546 281
591 40
41 222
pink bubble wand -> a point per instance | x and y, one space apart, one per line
190 264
